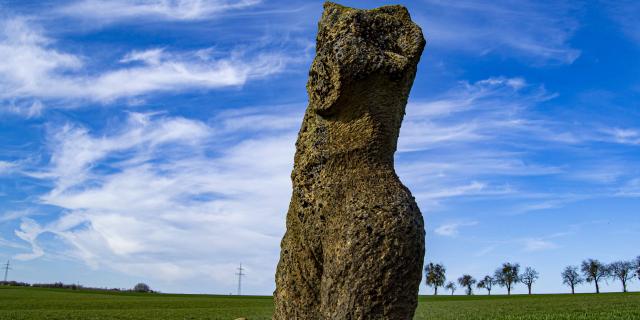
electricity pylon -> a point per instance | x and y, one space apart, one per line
7 267
240 275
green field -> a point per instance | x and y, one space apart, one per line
33 303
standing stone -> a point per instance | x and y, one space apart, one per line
354 244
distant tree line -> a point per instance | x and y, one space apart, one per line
140 287
510 274
14 284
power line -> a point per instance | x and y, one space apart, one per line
7 267
240 275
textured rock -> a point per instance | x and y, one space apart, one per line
354 244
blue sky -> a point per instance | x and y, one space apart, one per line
153 140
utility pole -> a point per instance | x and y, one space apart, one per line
240 275
7 267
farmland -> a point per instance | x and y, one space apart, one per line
35 303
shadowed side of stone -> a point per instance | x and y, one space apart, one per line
354 243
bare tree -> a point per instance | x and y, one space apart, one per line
508 275
451 286
593 271
468 282
623 271
435 276
638 267
529 276
486 283
571 277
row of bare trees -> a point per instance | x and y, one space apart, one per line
509 274
506 276
594 271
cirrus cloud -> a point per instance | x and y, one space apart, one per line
453 229
166 196
175 10
32 69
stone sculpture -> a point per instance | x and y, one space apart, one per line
354 244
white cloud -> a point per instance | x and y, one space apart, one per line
538 245
7 167
457 145
27 109
453 229
26 59
523 29
602 172
150 57
545 205
483 140
174 10
514 83
623 136
29 231
471 112
75 151
460 190
488 163
169 197
16 214
630 189
474 188
32 68
162 72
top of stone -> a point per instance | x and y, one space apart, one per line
353 43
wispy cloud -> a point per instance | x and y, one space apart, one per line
630 189
462 140
546 242
482 140
629 136
522 30
485 251
538 245
75 151
453 229
162 189
7 167
174 10
624 13
32 68
471 112
29 231
432 195
26 108
545 201
11 244
602 172
17 214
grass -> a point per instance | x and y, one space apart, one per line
606 306
36 303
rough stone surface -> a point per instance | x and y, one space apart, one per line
354 244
